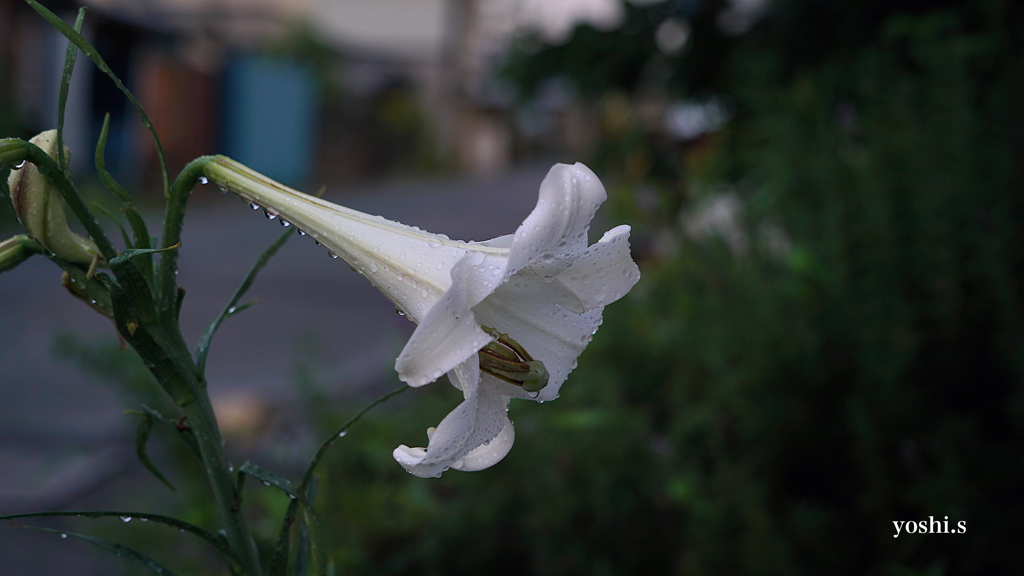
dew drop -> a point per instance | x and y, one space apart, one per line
254 206
203 180
333 255
269 215
126 518
399 311
343 433
143 519
548 257
301 233
433 245
292 496
373 266
19 165
285 223
265 483
63 536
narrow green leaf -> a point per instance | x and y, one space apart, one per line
279 559
309 546
322 451
131 253
242 307
101 164
142 432
65 85
138 225
215 540
110 214
232 308
93 55
142 241
119 549
139 229
270 479
183 431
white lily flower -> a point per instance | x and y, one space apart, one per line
498 316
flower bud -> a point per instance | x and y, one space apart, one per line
16 250
39 206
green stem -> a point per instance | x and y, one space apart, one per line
204 425
174 221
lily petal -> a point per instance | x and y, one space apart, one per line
476 422
555 233
605 272
448 334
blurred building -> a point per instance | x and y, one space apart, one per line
303 90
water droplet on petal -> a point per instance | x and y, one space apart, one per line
301 232
63 536
126 518
399 311
265 483
433 245
285 223
254 206
333 255
269 215
342 434
19 165
203 180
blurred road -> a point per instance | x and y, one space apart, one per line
63 434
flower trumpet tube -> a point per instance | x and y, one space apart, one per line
39 207
505 318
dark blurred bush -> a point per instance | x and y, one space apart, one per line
838 349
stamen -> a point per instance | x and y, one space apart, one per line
507 360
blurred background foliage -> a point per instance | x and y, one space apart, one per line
827 337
